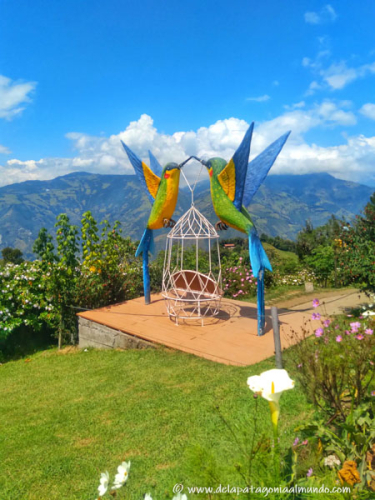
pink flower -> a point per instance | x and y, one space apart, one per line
299 366
327 322
347 332
338 338
349 315
319 332
309 472
369 331
359 336
240 258
304 443
315 316
296 441
372 393
355 326
242 279
315 303
337 327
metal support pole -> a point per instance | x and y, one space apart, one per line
276 337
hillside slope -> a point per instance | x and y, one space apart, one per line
281 206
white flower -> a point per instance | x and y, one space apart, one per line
103 486
331 461
271 384
368 313
148 496
122 475
180 497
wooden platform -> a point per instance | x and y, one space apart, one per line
230 338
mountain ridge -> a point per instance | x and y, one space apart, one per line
280 207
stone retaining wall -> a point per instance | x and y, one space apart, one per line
93 334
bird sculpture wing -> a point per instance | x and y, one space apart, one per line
259 167
232 178
155 165
148 180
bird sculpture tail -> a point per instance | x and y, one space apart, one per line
146 244
259 262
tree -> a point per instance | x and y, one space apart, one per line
357 251
12 255
43 247
322 262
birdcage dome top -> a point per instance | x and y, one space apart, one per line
193 225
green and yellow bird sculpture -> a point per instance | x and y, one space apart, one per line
233 186
161 186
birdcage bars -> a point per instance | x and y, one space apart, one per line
191 294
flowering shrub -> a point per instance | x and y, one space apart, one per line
25 298
336 365
49 292
239 280
296 279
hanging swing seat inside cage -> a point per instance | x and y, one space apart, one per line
192 293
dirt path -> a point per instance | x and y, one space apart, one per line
333 302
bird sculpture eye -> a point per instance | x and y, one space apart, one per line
166 175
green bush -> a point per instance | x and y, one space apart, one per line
25 298
335 365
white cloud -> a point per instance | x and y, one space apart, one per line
261 98
14 96
368 110
339 75
325 15
312 18
105 155
336 76
296 105
4 150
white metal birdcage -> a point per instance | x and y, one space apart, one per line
192 286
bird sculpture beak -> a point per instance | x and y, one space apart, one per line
191 157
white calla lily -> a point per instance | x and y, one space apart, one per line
122 475
103 486
180 496
270 385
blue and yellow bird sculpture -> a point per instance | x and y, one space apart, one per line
161 186
233 186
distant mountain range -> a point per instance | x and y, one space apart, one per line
281 206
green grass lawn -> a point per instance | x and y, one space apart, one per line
67 417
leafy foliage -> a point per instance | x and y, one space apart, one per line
336 365
44 248
349 440
49 292
12 255
357 255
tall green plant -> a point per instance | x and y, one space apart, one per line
64 277
44 248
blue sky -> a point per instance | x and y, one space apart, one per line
182 78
